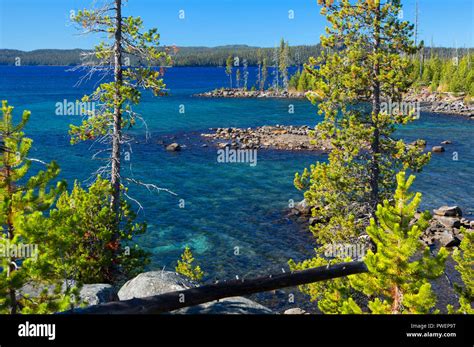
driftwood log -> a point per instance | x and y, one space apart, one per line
190 297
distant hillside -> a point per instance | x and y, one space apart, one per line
189 56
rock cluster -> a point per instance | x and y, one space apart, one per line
242 93
441 102
445 227
161 282
293 138
155 283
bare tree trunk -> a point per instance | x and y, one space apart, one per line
375 143
117 127
195 296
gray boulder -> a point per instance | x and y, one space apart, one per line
449 222
98 293
153 283
447 239
234 305
448 211
295 310
437 149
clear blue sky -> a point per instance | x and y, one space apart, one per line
34 24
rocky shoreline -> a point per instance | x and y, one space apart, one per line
445 103
280 137
434 102
242 93
444 229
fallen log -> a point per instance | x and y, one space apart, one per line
190 297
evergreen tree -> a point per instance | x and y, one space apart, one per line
398 274
464 257
83 221
229 68
284 62
185 266
366 60
264 74
116 98
245 73
237 78
28 251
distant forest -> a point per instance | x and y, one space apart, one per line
194 56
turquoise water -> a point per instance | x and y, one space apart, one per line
226 205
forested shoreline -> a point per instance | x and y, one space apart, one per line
197 56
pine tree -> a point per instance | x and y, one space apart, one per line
125 40
399 271
237 78
264 74
366 60
83 223
185 266
464 257
283 62
28 250
229 68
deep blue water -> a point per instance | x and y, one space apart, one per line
226 205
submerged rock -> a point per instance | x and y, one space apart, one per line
438 149
174 147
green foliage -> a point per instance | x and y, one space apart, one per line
464 257
185 266
126 89
228 68
83 222
283 61
399 271
364 155
27 251
445 75
192 56
301 81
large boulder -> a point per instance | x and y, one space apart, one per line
234 305
161 282
90 294
437 149
448 211
154 283
98 293
449 222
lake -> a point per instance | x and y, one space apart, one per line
233 217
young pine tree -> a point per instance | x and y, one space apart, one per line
28 252
364 66
91 253
398 274
185 266
464 257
